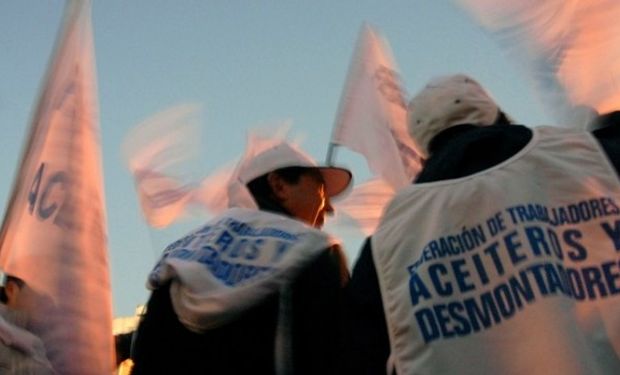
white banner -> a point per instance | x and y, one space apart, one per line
364 205
372 117
159 147
54 231
157 153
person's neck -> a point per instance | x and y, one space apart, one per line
269 205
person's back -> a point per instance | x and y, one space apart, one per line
253 291
246 345
522 261
500 266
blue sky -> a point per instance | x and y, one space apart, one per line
246 63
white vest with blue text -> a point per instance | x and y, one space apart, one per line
233 263
512 270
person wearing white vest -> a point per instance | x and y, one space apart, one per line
501 258
255 290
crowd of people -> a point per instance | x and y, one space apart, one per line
501 257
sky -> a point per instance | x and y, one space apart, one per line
245 63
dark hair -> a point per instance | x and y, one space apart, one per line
501 119
261 191
20 283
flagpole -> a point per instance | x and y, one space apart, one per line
331 153
331 150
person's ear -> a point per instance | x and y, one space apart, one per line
278 186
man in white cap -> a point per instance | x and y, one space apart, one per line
256 290
501 258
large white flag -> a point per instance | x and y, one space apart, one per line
54 231
371 119
570 49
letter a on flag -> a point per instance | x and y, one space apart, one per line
54 230
372 117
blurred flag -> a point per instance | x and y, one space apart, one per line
162 198
158 152
363 207
372 118
212 193
165 144
570 49
54 230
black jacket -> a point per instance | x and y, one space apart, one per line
456 152
246 346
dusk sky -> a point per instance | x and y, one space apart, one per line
245 64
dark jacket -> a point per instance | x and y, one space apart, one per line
456 152
246 346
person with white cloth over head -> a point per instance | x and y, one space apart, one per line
257 289
21 352
501 257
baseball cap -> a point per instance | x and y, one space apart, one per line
283 155
445 102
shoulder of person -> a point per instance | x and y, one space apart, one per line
331 263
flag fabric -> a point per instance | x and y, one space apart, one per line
570 50
212 194
54 231
158 153
372 116
160 146
162 198
363 207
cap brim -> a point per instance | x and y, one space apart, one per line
337 180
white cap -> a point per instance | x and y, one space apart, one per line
445 102
284 155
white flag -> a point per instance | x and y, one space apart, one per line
158 153
570 49
54 231
166 143
363 207
162 198
372 116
